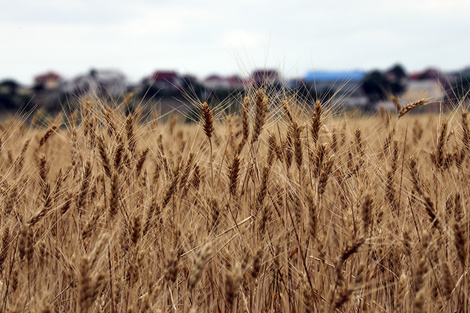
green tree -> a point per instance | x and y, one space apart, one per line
396 76
9 86
376 86
398 71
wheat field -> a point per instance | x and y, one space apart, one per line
282 207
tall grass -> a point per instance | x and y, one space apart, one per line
283 208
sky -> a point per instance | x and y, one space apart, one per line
205 37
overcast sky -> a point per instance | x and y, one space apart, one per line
230 37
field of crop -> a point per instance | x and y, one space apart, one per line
281 208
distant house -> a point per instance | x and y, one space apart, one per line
428 74
265 77
109 83
236 82
344 86
47 89
336 78
47 81
418 89
459 85
215 82
167 81
430 84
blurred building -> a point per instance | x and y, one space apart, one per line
167 81
107 83
47 81
216 82
430 84
265 77
344 87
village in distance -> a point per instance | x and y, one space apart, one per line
168 90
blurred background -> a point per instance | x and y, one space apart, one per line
169 54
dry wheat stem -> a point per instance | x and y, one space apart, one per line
303 214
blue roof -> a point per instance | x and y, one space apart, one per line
331 76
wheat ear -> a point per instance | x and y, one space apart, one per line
407 108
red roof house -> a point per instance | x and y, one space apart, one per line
48 80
